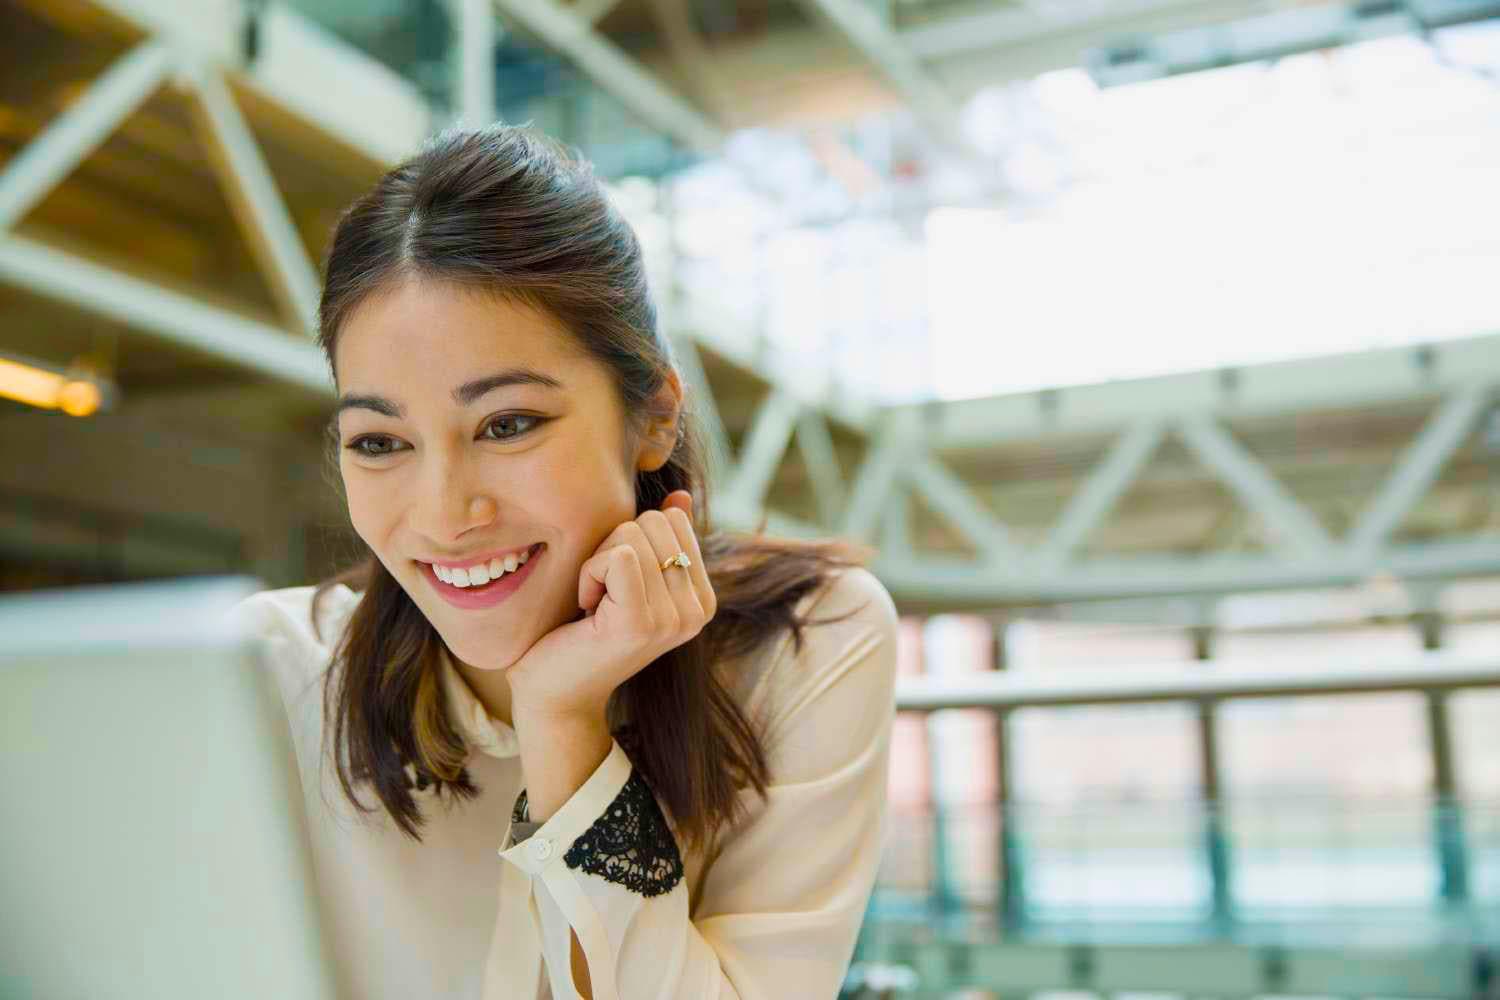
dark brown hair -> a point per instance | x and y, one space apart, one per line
511 212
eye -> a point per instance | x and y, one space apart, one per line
510 425
373 445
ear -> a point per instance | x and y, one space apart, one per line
660 438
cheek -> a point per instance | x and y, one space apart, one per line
584 494
368 507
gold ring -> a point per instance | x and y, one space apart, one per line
680 559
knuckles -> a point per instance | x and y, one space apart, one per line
628 532
652 517
625 543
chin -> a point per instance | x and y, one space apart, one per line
483 654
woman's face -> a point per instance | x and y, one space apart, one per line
471 428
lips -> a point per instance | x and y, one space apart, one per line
478 572
491 593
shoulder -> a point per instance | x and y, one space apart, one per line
283 619
828 698
858 593
851 622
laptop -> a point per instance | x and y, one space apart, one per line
152 840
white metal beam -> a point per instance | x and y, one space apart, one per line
75 281
822 461
1322 957
891 445
1012 25
895 525
952 498
78 131
1291 523
476 61
575 38
868 33
1021 42
1353 379
720 455
593 11
685 47
1088 508
258 205
306 71
1420 465
956 583
357 101
1119 683
765 444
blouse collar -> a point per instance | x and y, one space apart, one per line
480 730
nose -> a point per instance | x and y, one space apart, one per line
452 500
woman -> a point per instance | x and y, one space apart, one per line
674 739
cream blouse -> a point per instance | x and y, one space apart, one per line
475 912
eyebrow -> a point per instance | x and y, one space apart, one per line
463 395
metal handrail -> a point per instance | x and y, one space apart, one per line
1196 680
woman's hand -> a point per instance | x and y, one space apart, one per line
634 612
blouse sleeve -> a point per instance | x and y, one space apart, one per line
781 903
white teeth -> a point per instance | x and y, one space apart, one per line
482 573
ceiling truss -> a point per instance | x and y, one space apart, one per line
864 477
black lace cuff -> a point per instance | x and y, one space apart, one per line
631 844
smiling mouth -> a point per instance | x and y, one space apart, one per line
481 576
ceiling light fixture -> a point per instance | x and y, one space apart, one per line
76 393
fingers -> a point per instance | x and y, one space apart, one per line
678 581
654 608
672 604
687 541
615 571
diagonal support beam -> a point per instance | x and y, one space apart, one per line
679 33
77 132
1253 483
895 525
868 33
574 37
80 283
1106 484
1419 466
765 444
893 442
952 498
701 397
257 204
822 461
593 11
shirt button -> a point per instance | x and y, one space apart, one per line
539 849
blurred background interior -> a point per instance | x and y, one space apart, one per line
1154 343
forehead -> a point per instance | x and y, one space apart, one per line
421 328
